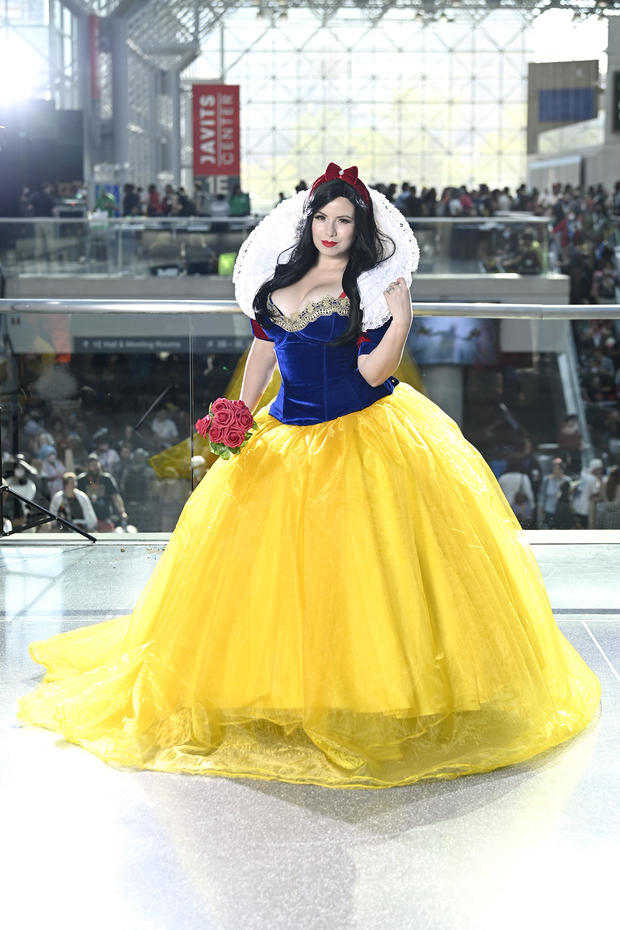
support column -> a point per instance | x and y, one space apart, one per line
612 135
175 141
86 103
120 98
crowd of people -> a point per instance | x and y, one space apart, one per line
568 495
99 481
174 202
105 481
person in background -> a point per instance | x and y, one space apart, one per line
103 493
220 208
564 516
239 202
202 199
166 203
73 505
518 491
23 484
570 443
165 429
52 468
587 492
401 201
607 509
549 490
131 201
108 456
106 203
153 201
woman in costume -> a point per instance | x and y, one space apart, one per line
349 601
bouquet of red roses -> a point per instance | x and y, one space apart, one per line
227 426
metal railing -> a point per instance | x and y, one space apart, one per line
420 308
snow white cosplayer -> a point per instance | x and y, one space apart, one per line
349 600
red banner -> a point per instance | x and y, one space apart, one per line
216 129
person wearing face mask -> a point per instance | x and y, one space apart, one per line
21 482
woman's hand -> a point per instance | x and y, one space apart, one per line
385 358
399 302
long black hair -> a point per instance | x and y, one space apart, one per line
369 248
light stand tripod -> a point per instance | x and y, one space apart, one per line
41 516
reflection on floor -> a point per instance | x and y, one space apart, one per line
533 846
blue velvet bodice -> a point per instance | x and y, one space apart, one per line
319 382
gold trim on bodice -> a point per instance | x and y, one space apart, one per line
311 312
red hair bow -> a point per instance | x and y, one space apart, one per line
349 175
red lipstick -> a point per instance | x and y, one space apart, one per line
327 243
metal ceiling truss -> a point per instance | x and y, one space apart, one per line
169 29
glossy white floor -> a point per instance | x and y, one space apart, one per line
86 846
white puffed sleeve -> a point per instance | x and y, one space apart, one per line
401 264
276 233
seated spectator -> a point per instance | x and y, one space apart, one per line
103 493
52 468
165 429
137 490
108 456
20 481
528 258
124 460
73 505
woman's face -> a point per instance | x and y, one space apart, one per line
333 228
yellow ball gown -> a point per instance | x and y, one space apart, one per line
348 602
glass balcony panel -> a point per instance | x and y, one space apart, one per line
130 383
192 245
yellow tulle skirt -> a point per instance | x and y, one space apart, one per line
349 604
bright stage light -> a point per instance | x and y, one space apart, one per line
20 68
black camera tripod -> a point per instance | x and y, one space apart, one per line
41 515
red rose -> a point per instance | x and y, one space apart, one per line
217 433
223 413
220 404
243 416
234 437
203 426
224 418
